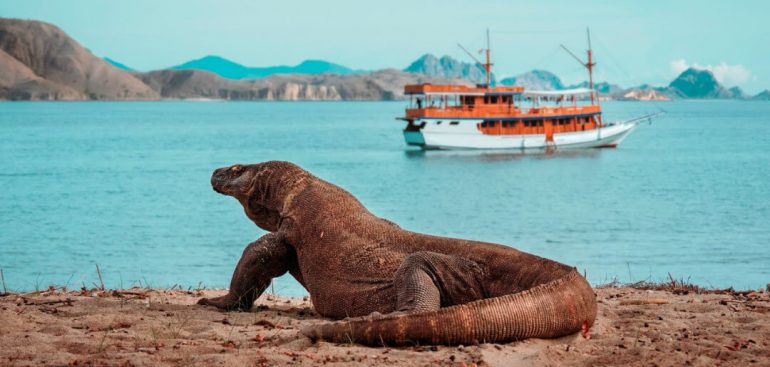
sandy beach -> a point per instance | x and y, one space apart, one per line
143 327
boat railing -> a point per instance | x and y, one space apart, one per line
482 111
562 110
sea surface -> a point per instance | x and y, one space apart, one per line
125 185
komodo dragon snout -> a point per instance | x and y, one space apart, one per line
234 180
430 289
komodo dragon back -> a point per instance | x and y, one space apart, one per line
557 308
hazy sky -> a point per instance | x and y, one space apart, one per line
634 41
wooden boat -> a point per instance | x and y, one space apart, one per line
509 117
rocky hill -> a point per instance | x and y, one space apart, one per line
535 80
737 93
762 96
546 80
601 87
232 70
194 84
38 61
698 84
118 64
642 93
448 67
690 84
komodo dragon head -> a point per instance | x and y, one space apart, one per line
263 189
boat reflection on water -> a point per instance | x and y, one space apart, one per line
501 155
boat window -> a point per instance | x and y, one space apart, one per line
438 122
493 99
454 123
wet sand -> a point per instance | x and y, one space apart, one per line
149 327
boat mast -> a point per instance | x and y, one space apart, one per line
588 65
487 65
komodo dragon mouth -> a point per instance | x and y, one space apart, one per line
222 180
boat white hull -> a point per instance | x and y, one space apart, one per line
465 135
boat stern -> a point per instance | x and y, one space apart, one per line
413 133
414 138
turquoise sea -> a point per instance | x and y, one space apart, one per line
125 185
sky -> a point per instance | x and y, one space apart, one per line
634 42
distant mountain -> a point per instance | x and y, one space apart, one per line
232 70
601 87
737 93
448 67
642 93
535 80
39 61
698 84
762 96
117 64
196 84
546 80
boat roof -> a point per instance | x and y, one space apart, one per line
557 93
454 89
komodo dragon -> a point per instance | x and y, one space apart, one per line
392 286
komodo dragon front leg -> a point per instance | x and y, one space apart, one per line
262 260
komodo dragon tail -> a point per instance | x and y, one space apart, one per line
557 308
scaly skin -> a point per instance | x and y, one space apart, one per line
415 288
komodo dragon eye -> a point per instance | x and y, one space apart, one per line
236 168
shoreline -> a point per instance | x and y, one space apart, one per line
663 324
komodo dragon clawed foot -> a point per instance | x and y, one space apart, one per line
226 303
262 260
415 288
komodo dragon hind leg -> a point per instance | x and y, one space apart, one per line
262 260
427 281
